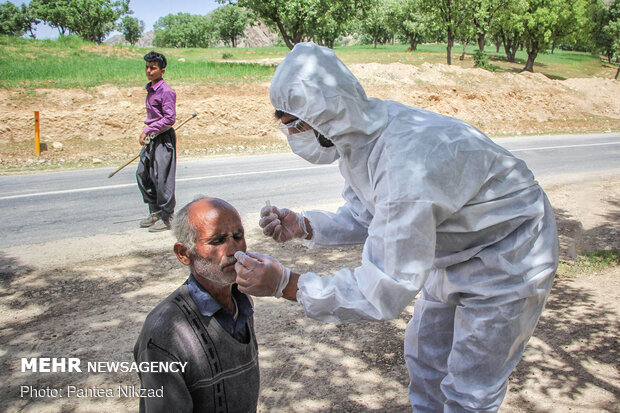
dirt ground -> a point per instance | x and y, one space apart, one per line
100 126
91 305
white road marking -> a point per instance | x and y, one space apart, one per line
195 178
564 146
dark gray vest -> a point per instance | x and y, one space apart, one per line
222 374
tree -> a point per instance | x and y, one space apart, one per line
56 13
374 24
230 21
414 24
325 29
451 14
465 34
497 41
297 20
334 21
184 30
599 17
90 19
545 21
29 20
11 20
606 37
94 19
508 27
393 12
572 25
484 12
612 30
466 31
131 28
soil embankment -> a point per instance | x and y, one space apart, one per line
102 124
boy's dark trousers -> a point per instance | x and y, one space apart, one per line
156 173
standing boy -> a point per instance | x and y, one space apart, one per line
157 168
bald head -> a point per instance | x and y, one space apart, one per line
201 212
209 207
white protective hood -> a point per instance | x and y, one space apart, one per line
314 85
424 192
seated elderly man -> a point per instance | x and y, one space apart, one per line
206 323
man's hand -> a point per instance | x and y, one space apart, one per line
260 275
142 139
282 224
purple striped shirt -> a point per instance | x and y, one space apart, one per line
160 107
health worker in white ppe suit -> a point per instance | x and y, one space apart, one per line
440 209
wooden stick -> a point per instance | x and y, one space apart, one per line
136 157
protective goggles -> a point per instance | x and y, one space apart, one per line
293 127
298 126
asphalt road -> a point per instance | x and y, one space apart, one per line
57 205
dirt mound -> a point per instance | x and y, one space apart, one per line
105 121
498 103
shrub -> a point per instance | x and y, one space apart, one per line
481 60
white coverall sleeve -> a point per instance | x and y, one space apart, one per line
397 257
348 226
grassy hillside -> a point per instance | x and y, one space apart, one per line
71 62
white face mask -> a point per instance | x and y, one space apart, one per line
306 146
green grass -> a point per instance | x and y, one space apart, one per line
71 62
590 262
559 65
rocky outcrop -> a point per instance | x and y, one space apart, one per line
146 40
253 36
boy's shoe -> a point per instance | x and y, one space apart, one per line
150 220
159 226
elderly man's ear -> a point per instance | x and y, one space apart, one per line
182 253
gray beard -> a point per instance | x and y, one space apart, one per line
203 268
